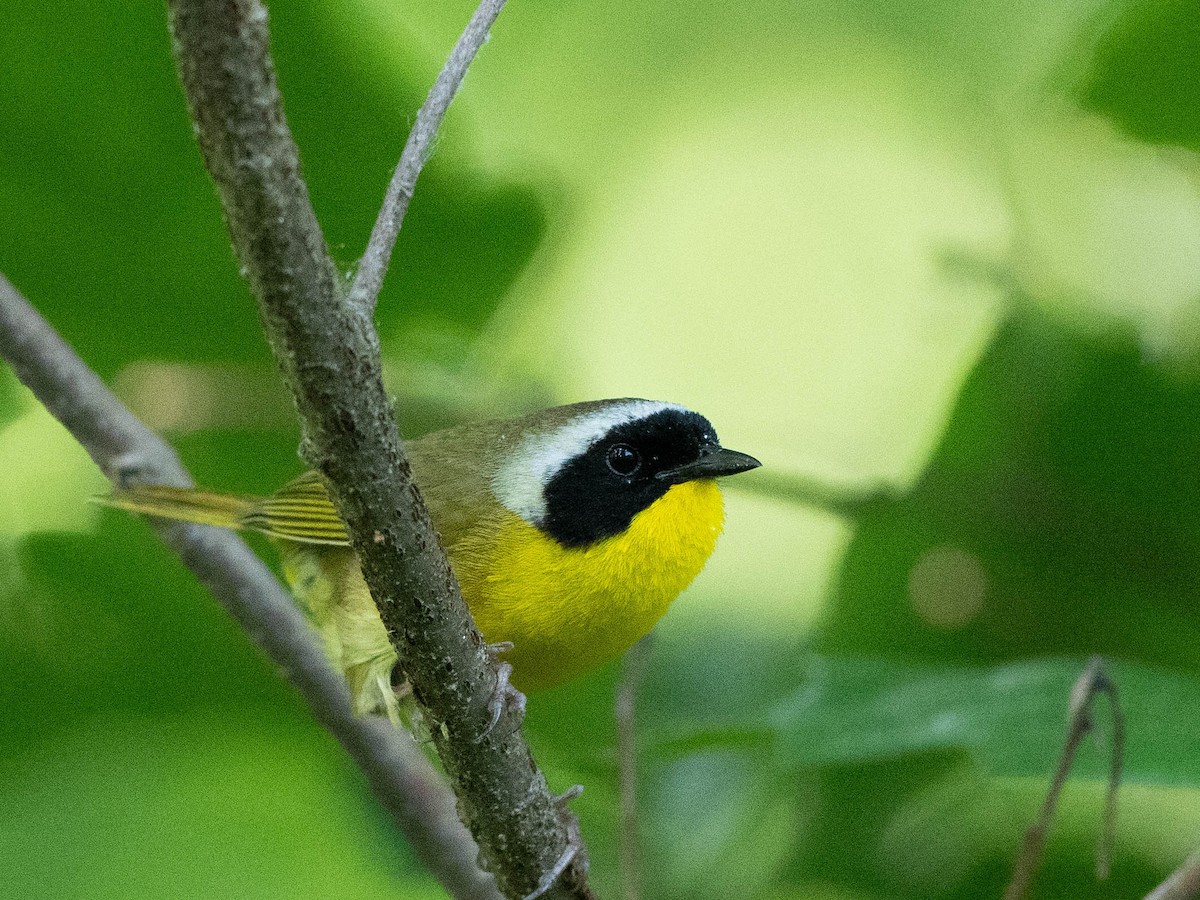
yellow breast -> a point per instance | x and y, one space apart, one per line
566 611
569 610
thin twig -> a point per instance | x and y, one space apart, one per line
125 450
1183 883
632 670
1108 825
1093 681
328 351
372 268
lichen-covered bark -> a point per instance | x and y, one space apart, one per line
328 351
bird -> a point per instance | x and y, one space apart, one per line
570 530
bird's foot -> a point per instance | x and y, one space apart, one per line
568 795
505 696
497 649
570 852
546 882
401 686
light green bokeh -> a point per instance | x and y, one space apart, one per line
47 476
727 276
1109 228
794 549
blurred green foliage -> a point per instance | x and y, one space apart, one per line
933 245
1144 70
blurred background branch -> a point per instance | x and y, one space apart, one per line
633 669
1080 723
846 500
127 452
372 267
1183 884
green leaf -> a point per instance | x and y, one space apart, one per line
1060 515
1144 73
1010 719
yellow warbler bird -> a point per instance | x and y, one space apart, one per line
570 530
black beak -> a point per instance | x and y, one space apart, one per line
714 462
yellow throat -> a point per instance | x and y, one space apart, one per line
565 610
568 610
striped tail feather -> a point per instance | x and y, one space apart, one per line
300 512
183 504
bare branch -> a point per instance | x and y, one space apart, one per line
126 450
328 351
1093 681
1183 884
113 437
1108 825
848 500
372 268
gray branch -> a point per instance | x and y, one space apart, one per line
125 450
328 351
417 149
1183 883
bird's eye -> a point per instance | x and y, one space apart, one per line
623 460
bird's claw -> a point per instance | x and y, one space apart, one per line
555 871
494 650
574 850
505 695
568 795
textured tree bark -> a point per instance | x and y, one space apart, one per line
328 351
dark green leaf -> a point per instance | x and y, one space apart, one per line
1144 73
